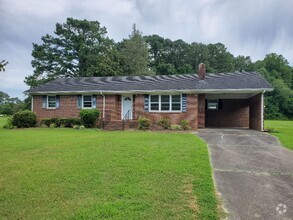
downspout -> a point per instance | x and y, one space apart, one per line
104 103
262 111
32 104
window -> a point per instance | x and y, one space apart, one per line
165 103
213 104
51 101
87 101
154 103
176 102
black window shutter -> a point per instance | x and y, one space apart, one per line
184 103
57 101
44 101
146 103
79 100
94 101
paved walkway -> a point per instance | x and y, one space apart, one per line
253 173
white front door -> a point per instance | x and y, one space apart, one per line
126 107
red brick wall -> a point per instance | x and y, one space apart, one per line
190 115
234 113
112 106
68 108
201 110
255 112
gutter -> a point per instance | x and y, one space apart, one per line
197 91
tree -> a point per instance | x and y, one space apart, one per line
135 55
219 58
80 48
3 63
242 63
279 67
9 105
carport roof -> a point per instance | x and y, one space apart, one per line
220 82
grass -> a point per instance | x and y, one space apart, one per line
283 130
90 174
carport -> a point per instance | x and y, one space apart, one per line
232 110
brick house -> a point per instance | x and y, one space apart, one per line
205 100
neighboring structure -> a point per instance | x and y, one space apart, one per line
206 100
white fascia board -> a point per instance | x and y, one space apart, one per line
195 91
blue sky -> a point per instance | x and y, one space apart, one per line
247 27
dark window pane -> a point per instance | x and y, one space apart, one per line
154 107
176 107
176 98
154 98
87 98
213 104
87 104
52 104
51 98
165 107
165 98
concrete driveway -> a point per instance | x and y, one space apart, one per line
253 173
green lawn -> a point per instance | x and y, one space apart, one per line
284 131
90 174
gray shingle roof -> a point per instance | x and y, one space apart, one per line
221 81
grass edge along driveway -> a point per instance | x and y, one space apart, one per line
283 131
67 173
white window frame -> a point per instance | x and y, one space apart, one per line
170 103
217 107
48 107
82 102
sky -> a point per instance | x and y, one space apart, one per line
246 27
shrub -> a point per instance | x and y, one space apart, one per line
270 130
164 123
176 127
9 124
144 124
24 119
60 122
184 124
43 126
89 117
53 125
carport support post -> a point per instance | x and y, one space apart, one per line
262 111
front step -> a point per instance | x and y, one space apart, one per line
113 125
118 125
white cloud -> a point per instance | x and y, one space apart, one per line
246 27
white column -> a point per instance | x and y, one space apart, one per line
262 111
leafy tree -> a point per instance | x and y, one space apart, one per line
165 69
242 63
9 105
134 54
220 59
279 102
3 63
279 67
80 48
